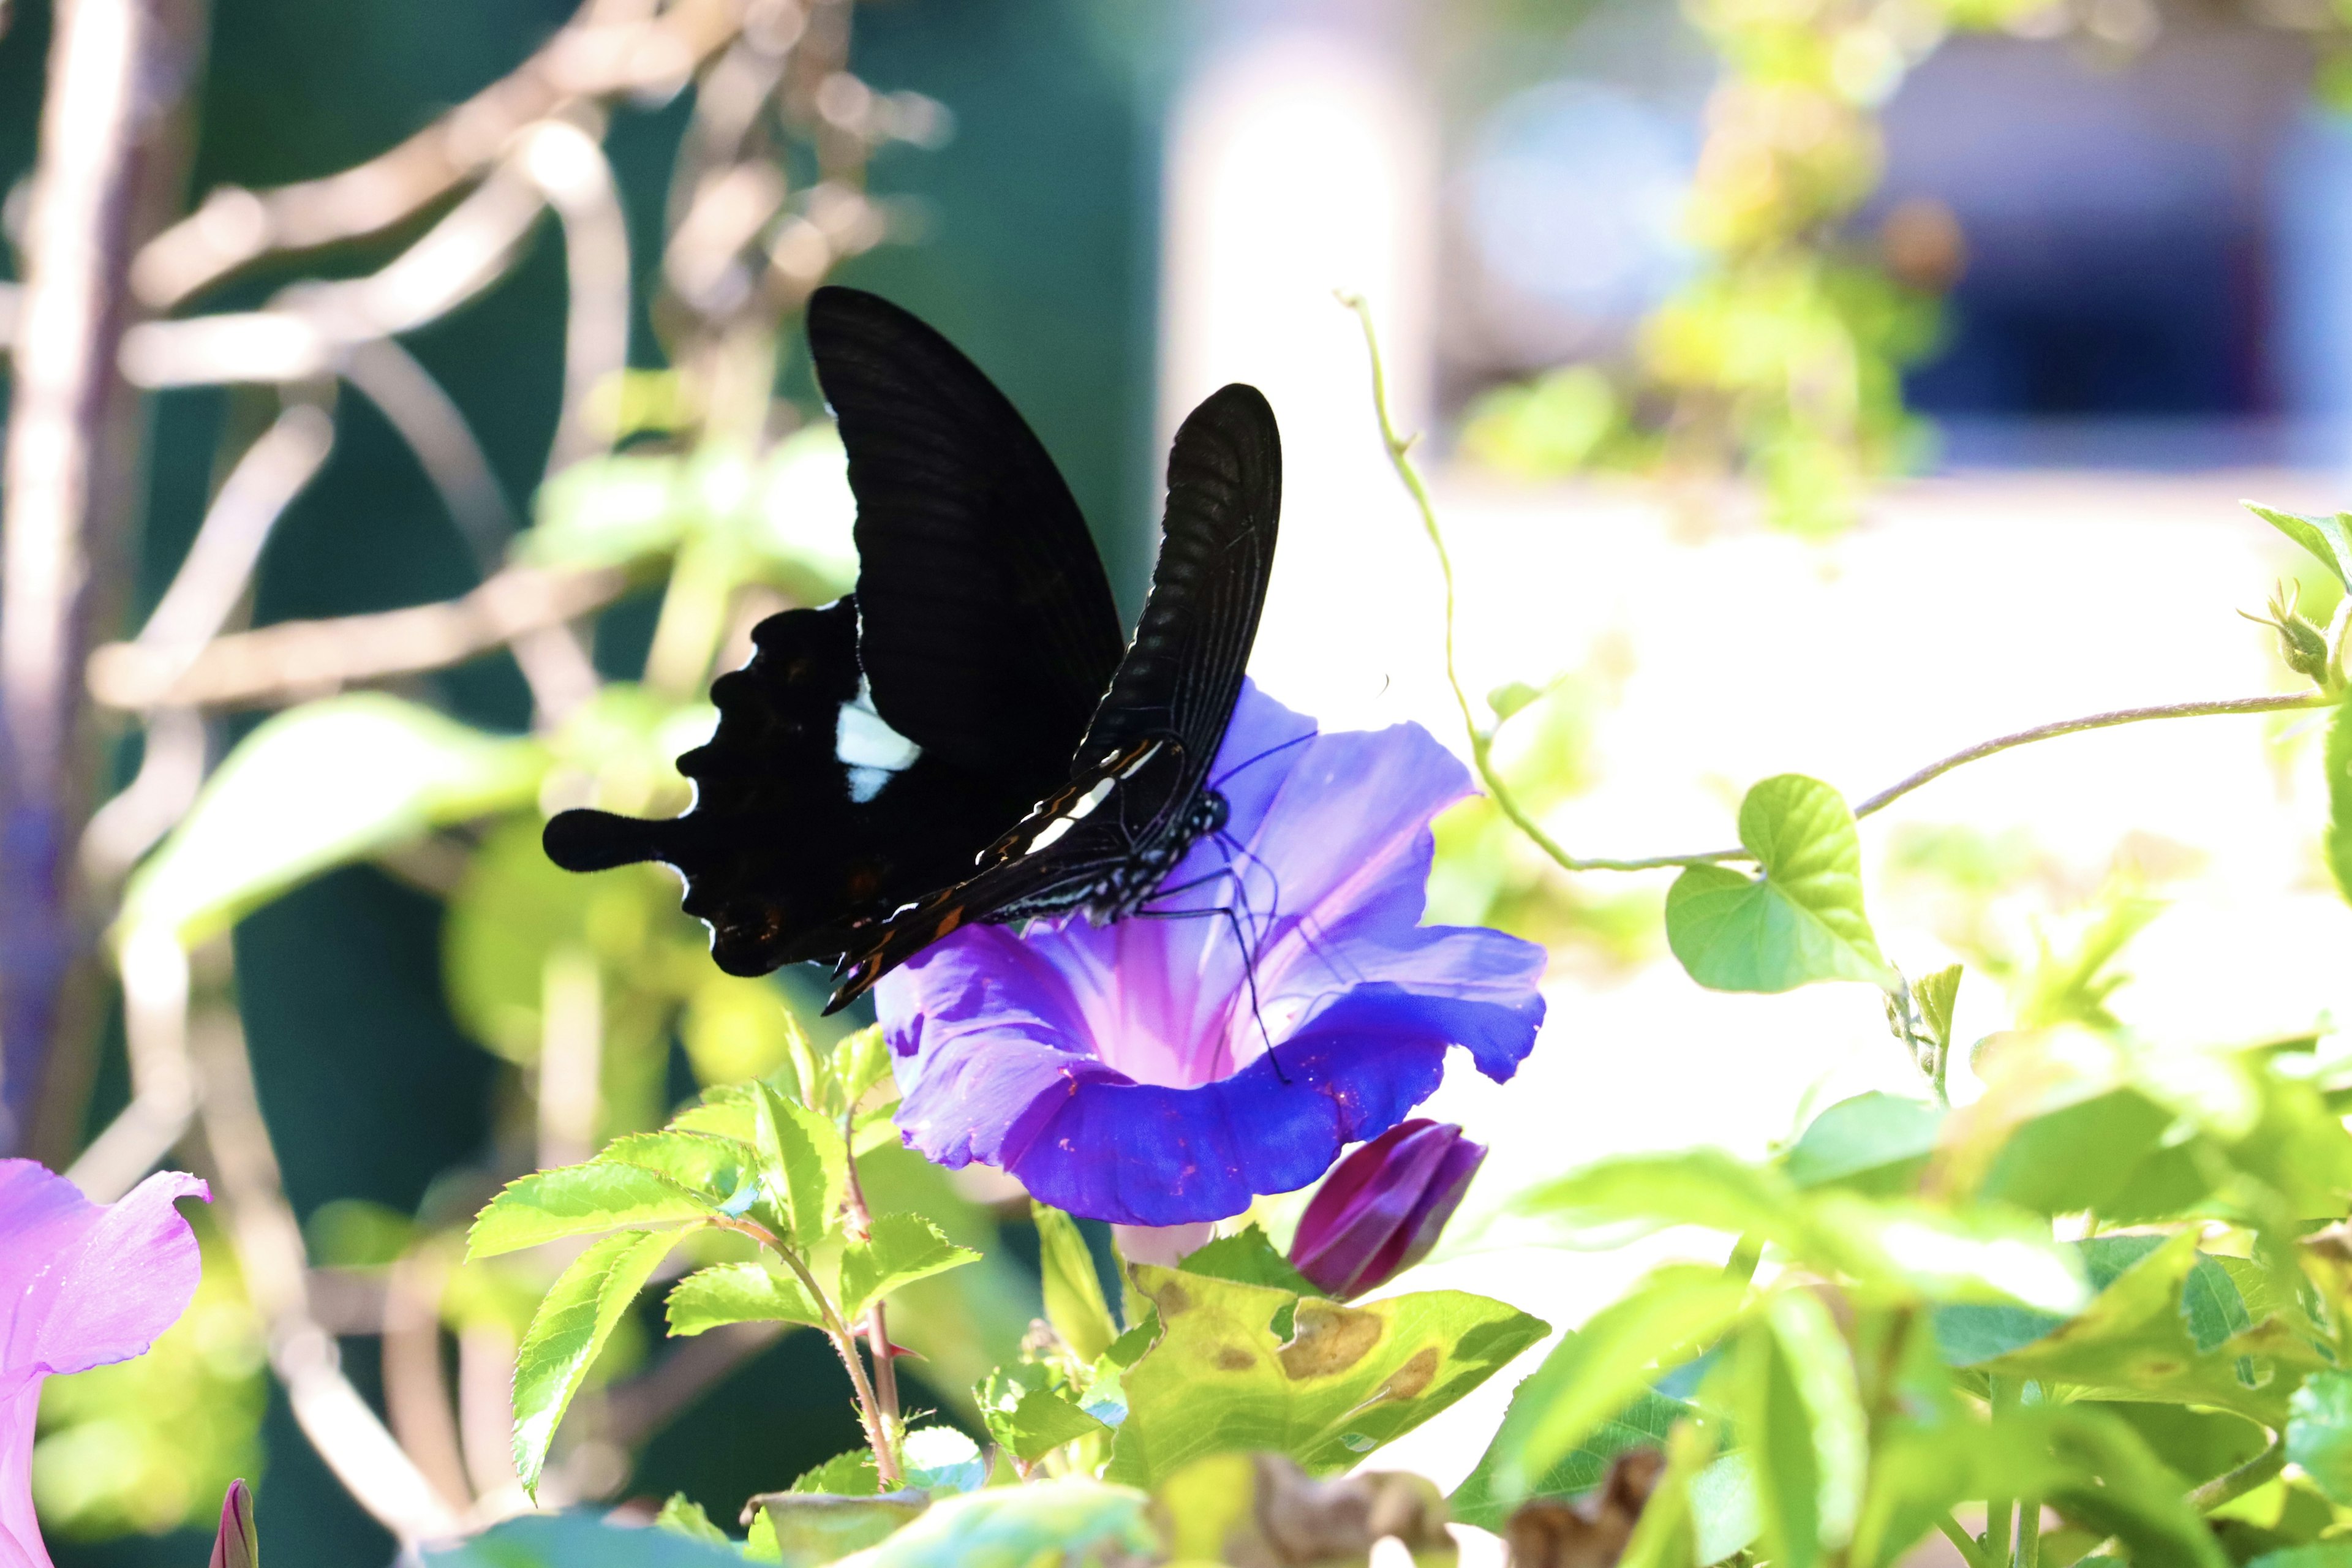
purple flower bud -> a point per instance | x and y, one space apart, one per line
235 1546
1380 1210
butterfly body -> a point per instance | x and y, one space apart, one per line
962 739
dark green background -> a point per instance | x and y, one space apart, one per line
1036 256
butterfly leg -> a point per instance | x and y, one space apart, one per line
1249 967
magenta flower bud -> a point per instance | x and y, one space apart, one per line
1380 1210
235 1545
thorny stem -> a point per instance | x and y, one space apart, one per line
2237 1483
1481 740
845 1346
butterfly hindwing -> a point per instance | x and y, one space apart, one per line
872 748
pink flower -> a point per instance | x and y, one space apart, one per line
81 1283
1380 1210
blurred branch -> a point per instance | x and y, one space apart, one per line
349 1436
569 169
592 56
163 1088
296 659
108 160
415 1388
636 1409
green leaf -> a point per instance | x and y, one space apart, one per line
317 786
2339 797
568 1332
2328 539
1074 1292
682 1514
740 1293
1598 1371
860 1061
2198 1444
811 1528
806 1163
1248 1257
579 1200
580 1540
1028 1419
904 1248
2317 1555
1643 1424
849 1474
2112 1483
1874 1143
941 1458
1802 920
2075 1155
721 1171
1013 1527
1799 1410
1936 997
2319 1433
1342 1380
1698 1186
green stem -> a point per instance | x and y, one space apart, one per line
1969 1551
2029 1532
1481 740
845 1346
2237 1483
2006 1393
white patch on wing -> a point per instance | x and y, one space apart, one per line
1054 830
1072 818
1142 757
871 750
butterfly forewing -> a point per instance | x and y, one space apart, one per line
1136 796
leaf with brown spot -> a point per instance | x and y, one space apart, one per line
1344 1380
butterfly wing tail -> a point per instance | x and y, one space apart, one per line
599 840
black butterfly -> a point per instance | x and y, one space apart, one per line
962 739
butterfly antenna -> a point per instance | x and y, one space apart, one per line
1252 761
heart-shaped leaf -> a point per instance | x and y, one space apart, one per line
1802 920
2326 538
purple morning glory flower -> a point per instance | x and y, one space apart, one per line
1380 1210
81 1283
1121 1072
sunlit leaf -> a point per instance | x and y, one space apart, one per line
1058 1522
317 787
1800 1411
903 1248
1874 1144
580 1540
2339 797
1074 1292
721 1171
682 1514
740 1293
1801 920
1596 1374
1031 1421
941 1458
1936 996
579 1200
1238 1367
2319 1433
1643 1424
569 1332
2325 538
1248 1257
805 1161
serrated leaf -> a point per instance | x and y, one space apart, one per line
1802 920
860 1061
848 1474
1028 1419
319 785
1936 996
568 1332
805 1163
721 1171
739 1293
1068 1521
684 1516
579 1200
2328 540
1343 1381
903 1248
1598 1371
1075 1303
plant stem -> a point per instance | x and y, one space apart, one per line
2237 1483
845 1346
1481 740
2006 1394
877 1326
2029 1532
1969 1551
